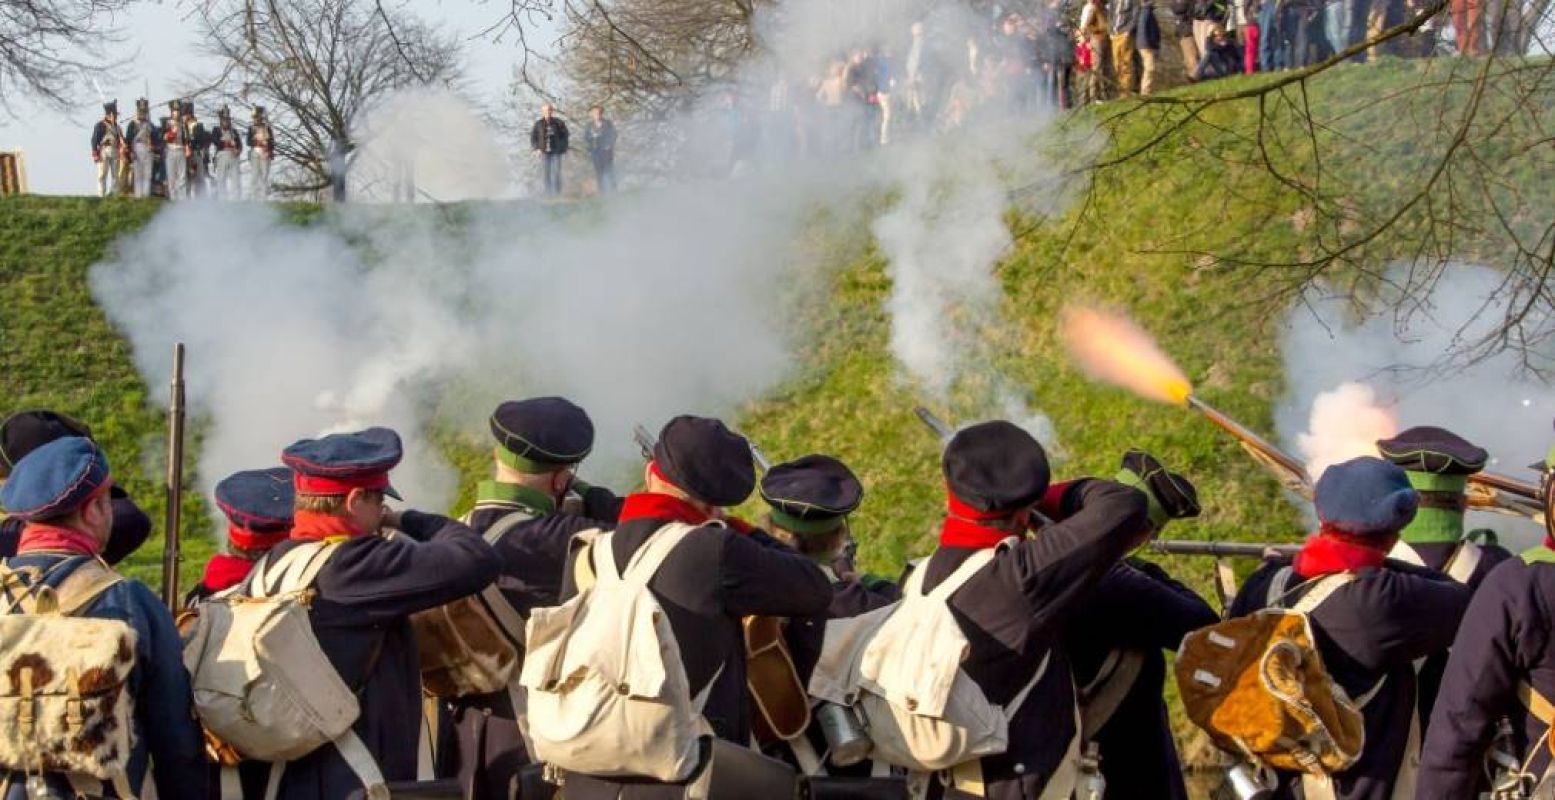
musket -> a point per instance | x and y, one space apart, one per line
1221 549
174 488
943 430
1487 491
644 441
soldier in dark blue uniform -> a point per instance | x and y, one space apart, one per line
810 499
258 506
1013 611
719 574
540 443
366 593
60 492
1496 691
26 431
1371 630
1115 646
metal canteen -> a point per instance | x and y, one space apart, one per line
845 736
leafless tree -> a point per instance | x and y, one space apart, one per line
317 65
49 47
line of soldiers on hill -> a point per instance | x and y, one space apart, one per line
179 157
655 645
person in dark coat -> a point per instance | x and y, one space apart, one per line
60 492
1221 58
258 506
699 468
1014 610
26 431
1147 42
540 443
809 501
548 138
1439 463
600 136
1115 646
108 147
142 140
366 593
1370 631
1501 670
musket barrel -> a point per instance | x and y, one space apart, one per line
1508 484
1221 549
174 489
1246 435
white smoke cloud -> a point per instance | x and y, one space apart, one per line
1403 361
674 299
1346 422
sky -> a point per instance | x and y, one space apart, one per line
163 50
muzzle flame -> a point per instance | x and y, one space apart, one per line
1113 349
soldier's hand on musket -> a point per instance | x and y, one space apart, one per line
1171 495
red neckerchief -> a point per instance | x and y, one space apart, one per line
314 526
1334 551
38 536
224 571
652 505
248 539
965 526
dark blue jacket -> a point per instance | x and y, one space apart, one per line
1507 637
361 613
1375 626
1140 608
165 728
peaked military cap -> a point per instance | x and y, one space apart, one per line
1365 496
813 494
1426 448
55 479
26 431
706 459
111 107
142 104
1171 496
995 468
259 112
340 462
258 499
542 434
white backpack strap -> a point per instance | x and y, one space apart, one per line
973 563
1402 551
1465 559
295 570
1321 591
645 563
1036 677
496 603
361 762
1278 585
506 524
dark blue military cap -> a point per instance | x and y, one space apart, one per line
1365 496
26 431
542 434
995 468
340 462
706 459
258 499
813 494
55 479
1435 450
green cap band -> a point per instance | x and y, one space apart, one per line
1436 482
527 466
497 492
789 522
1157 512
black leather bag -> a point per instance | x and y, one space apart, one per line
828 788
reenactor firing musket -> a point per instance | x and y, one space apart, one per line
1114 350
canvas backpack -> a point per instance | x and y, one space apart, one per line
473 645
899 667
65 706
606 688
1257 685
262 684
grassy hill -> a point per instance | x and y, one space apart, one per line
1164 234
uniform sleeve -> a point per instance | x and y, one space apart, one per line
534 559
376 580
1063 561
1480 682
601 504
534 136
1145 611
769 579
164 702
